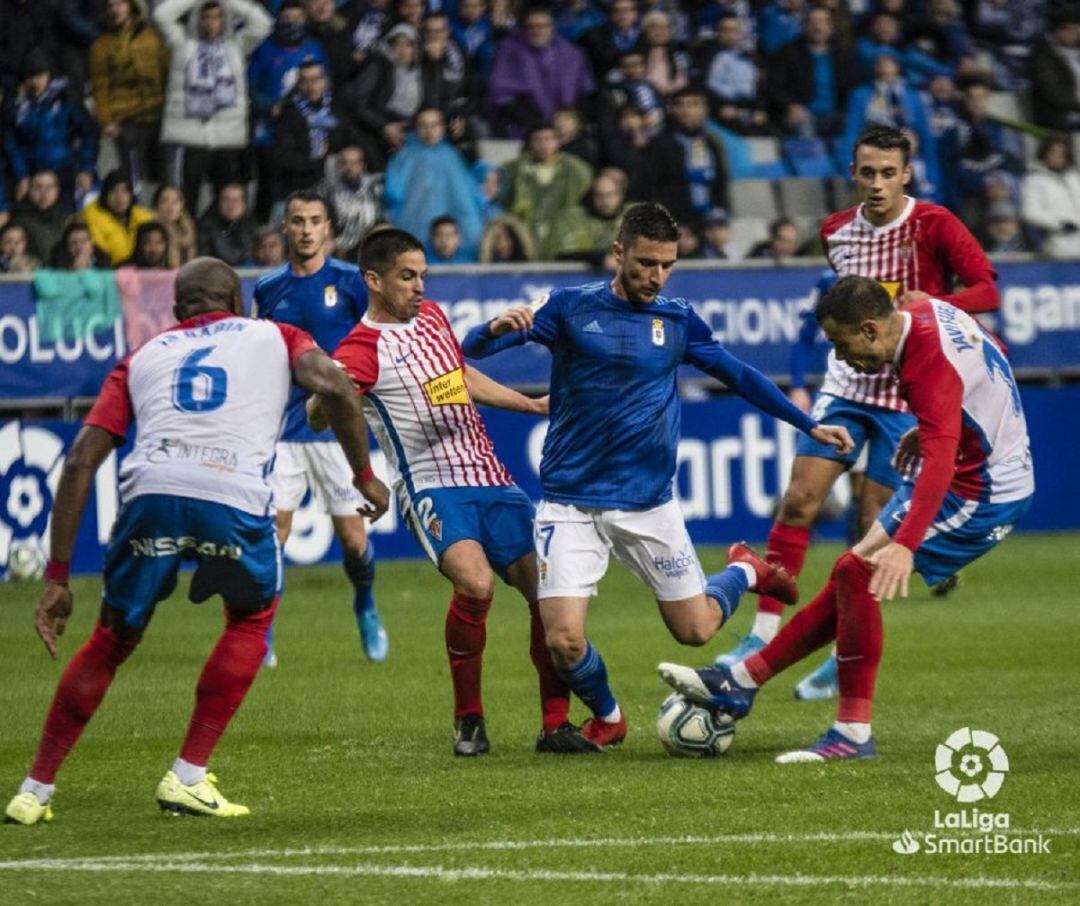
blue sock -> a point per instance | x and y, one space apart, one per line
360 568
727 589
588 680
270 637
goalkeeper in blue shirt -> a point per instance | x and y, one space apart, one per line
609 458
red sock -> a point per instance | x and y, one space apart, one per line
466 635
554 693
787 546
859 638
225 680
81 689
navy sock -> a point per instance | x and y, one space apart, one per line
360 568
270 637
588 680
727 588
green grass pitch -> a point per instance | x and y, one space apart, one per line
356 797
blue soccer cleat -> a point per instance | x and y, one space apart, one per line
373 636
819 685
713 687
750 644
833 746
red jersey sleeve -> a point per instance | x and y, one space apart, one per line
297 341
935 394
359 355
961 254
112 410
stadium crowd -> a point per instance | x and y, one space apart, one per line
139 135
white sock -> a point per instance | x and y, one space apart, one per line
857 733
751 573
188 774
766 626
742 676
43 791
613 718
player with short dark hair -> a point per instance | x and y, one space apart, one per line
454 494
207 398
609 457
325 297
913 248
967 481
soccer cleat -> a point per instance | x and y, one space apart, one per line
25 808
833 746
373 636
470 736
713 687
946 587
566 739
819 685
772 579
748 646
201 799
603 733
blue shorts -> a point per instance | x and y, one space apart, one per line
873 427
237 555
500 519
963 530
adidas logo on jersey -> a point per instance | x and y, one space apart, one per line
593 327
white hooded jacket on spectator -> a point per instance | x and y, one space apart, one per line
206 99
1051 203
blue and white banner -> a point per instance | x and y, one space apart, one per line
733 462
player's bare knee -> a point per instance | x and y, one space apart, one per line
695 633
477 583
567 646
799 505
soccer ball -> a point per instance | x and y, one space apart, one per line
688 730
25 562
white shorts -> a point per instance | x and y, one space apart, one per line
322 466
573 545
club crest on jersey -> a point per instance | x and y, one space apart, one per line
447 389
658 332
905 251
435 529
330 296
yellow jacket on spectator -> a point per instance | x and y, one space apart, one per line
115 238
128 68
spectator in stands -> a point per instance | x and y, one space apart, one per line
624 148
475 36
576 18
5 210
1002 231
689 242
593 225
1055 73
810 78
1008 28
389 90
1051 194
15 257
77 24
205 122
716 236
444 242
333 29
543 186
628 86
47 130
667 65
76 250
783 241
411 12
226 230
371 22
270 248
151 248
943 104
779 23
925 172
679 20
128 67
535 71
573 139
733 80
114 217
429 177
172 213
605 43
28 27
444 76
686 165
941 35
355 197
506 239
42 215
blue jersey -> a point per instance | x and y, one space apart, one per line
326 304
615 410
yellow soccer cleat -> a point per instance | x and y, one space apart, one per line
26 809
201 799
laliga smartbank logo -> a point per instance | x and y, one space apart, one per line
970 766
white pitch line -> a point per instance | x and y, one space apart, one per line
497 874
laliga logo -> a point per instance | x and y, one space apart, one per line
30 463
971 765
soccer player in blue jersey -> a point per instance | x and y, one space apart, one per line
326 298
608 461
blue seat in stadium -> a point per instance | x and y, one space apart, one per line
808 157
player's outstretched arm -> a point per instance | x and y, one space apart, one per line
504 332
487 392
91 448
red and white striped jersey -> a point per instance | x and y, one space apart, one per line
973 437
926 249
207 398
412 377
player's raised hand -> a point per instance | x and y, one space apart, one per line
53 610
893 565
377 496
907 456
835 436
520 317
